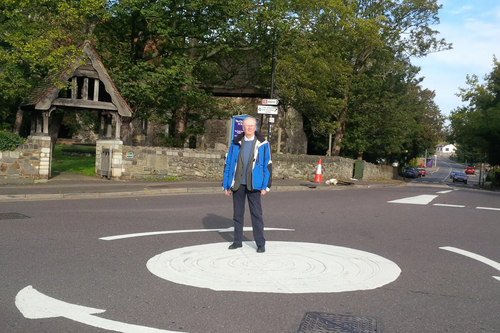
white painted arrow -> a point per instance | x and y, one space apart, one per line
35 305
423 199
153 233
477 257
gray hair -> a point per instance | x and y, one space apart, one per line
251 118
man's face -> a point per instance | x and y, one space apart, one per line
249 128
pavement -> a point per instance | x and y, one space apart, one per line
68 185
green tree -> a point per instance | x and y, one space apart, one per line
39 39
476 126
342 45
162 53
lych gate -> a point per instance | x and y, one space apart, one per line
90 88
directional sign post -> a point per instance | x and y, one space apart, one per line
265 109
270 101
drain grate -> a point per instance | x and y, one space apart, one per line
12 216
318 322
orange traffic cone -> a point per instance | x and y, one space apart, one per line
317 179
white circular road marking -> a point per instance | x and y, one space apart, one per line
285 267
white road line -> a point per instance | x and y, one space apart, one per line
35 305
488 208
477 257
154 233
445 205
423 199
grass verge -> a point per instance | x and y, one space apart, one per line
78 164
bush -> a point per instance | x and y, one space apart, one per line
9 141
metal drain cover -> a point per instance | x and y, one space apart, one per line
12 216
319 322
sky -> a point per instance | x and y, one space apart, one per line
473 27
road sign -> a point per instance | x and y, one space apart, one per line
267 109
270 102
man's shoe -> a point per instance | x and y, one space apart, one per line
235 246
261 249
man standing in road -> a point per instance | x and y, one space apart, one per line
248 174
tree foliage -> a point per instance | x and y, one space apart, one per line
344 65
476 126
347 67
39 38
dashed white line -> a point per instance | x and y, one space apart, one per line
446 205
444 192
488 208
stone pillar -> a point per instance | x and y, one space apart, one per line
116 157
44 144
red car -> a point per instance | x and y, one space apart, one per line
422 171
470 170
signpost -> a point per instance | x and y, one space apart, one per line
269 107
270 101
265 109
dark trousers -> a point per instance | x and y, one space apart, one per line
255 213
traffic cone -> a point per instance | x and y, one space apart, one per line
317 179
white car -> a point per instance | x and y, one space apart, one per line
395 164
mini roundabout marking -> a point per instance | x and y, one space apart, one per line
285 267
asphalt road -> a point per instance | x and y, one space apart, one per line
442 175
392 256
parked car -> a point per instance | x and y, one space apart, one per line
395 164
460 177
411 173
422 171
470 170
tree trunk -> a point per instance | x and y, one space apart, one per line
19 121
180 125
339 136
339 133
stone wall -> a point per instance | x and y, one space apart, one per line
158 162
379 172
29 162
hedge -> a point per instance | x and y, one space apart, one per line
9 141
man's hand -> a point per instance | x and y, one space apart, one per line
228 192
262 192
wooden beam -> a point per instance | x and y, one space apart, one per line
85 89
80 103
86 73
39 121
109 126
101 127
74 88
46 115
96 90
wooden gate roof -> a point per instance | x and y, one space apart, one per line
86 72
